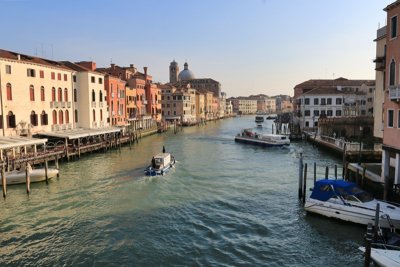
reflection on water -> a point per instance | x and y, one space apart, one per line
223 204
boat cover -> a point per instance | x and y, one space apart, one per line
325 189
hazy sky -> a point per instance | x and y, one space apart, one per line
249 46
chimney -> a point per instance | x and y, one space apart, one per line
19 57
113 66
131 66
88 64
145 71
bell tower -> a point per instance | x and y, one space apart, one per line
173 72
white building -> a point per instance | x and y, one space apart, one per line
90 105
330 102
35 96
244 105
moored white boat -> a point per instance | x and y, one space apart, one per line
160 164
35 175
345 201
270 140
385 257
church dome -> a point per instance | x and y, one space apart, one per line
186 74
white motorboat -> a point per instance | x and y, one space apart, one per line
35 175
160 164
345 201
270 140
259 120
385 257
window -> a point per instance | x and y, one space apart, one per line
60 117
42 94
65 77
59 76
76 116
101 96
94 115
32 93
34 118
54 117
93 96
306 101
101 115
323 113
100 81
59 94
307 113
30 73
307 124
11 120
398 119
74 78
329 113
41 74
1 121
8 69
392 72
65 94
93 79
44 118
329 101
390 118
75 95
9 91
53 76
338 113
323 101
53 94
67 116
316 112
338 101
393 27
316 100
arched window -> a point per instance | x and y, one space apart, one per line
9 91
65 94
101 96
392 72
34 118
42 94
67 116
76 116
94 115
93 96
59 94
60 117
11 120
44 118
75 95
101 115
54 117
32 93
53 94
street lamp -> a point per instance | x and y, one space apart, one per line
359 149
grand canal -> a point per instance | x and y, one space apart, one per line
224 204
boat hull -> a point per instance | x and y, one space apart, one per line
35 175
349 213
149 171
259 142
384 257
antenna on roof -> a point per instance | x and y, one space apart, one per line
111 61
52 52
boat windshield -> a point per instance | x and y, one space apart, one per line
354 194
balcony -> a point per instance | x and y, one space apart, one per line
101 124
69 104
69 125
144 102
380 63
54 104
63 104
394 93
94 124
64 127
55 127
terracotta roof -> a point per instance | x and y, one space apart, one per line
77 67
330 91
329 82
31 59
392 5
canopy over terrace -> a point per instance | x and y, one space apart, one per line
81 133
13 142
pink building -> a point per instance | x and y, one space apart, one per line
391 106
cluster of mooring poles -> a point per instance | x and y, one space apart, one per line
27 174
303 176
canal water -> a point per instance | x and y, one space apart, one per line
224 204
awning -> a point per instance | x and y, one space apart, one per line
19 141
80 132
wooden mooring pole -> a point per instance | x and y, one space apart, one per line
326 172
46 167
335 172
4 181
28 178
368 241
305 184
315 172
301 176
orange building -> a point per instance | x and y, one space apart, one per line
116 92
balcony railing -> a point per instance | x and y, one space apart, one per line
54 104
55 127
63 104
380 63
394 93
94 124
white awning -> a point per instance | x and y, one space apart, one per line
80 132
19 141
